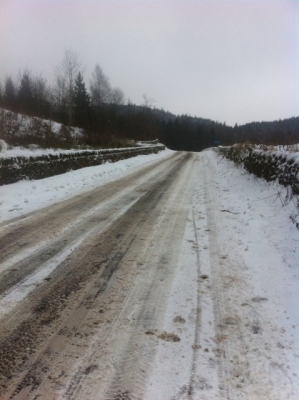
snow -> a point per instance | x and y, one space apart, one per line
36 151
3 146
291 148
240 235
256 235
289 153
32 151
19 124
279 151
14 296
23 197
239 256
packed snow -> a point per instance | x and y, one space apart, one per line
257 247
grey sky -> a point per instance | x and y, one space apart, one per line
228 60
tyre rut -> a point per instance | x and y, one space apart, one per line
92 265
135 357
26 232
99 217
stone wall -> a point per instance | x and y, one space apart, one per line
271 165
18 168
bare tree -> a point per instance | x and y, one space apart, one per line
117 96
1 94
148 101
100 88
41 95
59 96
66 74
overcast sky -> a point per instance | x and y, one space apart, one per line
233 61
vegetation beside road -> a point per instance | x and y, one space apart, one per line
267 162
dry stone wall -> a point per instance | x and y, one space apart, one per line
15 169
270 165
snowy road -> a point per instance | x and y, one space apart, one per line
170 283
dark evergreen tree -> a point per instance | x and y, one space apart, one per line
1 95
9 95
25 95
81 102
41 97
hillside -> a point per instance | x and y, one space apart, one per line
121 125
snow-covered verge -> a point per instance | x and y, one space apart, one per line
22 197
276 164
36 166
239 313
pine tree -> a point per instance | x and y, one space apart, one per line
1 95
9 95
25 95
81 102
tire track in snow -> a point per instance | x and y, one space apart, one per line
229 334
11 298
29 267
27 231
44 310
136 352
218 300
196 344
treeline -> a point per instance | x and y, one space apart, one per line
102 113
67 100
100 110
277 132
195 134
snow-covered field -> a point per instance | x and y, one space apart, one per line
234 299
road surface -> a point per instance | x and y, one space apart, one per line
119 293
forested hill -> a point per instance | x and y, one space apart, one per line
194 134
100 113
276 132
104 117
176 132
